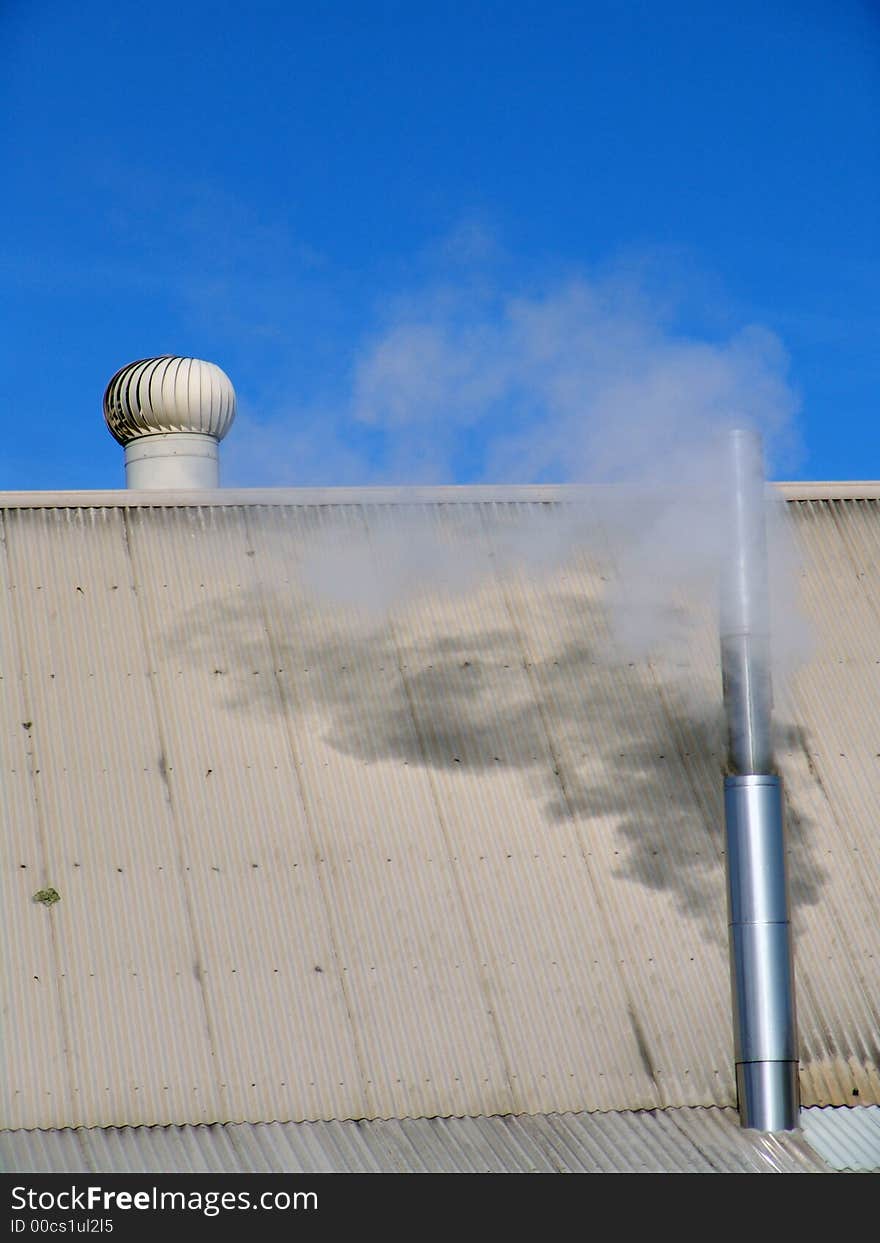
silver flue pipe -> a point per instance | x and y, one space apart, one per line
759 922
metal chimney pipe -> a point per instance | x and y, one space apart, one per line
745 612
759 922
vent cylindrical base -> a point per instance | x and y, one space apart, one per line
173 460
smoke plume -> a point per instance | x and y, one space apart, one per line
588 384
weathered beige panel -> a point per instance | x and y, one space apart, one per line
132 1014
412 975
323 858
34 1043
284 1045
832 772
533 898
625 749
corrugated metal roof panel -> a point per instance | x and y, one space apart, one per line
104 839
405 950
622 780
848 1138
43 1152
278 1022
830 723
664 1141
325 861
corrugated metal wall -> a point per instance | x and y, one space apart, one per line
319 860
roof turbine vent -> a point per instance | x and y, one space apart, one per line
170 414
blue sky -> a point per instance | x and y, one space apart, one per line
444 241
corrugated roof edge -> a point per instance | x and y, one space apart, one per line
705 1139
848 490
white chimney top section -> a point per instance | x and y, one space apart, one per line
170 414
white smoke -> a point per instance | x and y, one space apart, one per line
585 384
579 383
